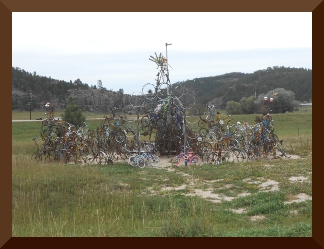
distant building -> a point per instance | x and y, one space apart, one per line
305 104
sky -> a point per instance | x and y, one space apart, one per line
114 47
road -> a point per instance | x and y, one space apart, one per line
34 120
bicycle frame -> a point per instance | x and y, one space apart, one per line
189 158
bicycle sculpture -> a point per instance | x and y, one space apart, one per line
188 158
161 128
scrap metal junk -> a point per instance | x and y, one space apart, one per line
166 121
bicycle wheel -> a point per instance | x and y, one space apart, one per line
239 155
226 156
253 152
211 137
74 157
163 89
202 123
211 158
249 153
195 160
203 132
160 123
59 156
120 137
192 135
149 91
130 134
49 156
100 158
279 147
110 160
188 100
192 117
145 121
141 161
176 161
86 159
136 99
273 137
131 161
203 149
155 161
37 155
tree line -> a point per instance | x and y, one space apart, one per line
235 86
238 92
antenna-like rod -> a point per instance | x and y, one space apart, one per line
166 54
167 65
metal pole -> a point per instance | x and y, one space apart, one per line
166 53
137 130
167 68
30 98
184 134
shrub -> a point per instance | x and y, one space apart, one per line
73 114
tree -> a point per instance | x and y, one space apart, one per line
233 107
78 82
99 84
248 105
120 98
73 114
282 101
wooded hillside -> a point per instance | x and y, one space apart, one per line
217 90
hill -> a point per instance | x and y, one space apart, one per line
234 86
217 90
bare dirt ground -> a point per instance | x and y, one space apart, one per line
166 161
264 185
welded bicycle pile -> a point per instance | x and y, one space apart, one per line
161 128
223 141
164 123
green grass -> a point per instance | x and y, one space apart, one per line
25 115
74 200
286 125
71 200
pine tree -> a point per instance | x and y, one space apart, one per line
73 114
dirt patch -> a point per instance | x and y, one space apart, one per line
298 179
291 157
174 188
293 212
262 184
269 185
239 211
299 198
166 162
257 218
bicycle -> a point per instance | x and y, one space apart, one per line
100 158
189 159
137 160
145 158
153 119
38 154
149 156
213 157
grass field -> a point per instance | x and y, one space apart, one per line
257 199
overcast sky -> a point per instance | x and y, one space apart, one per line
115 47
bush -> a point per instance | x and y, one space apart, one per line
73 114
283 101
233 107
